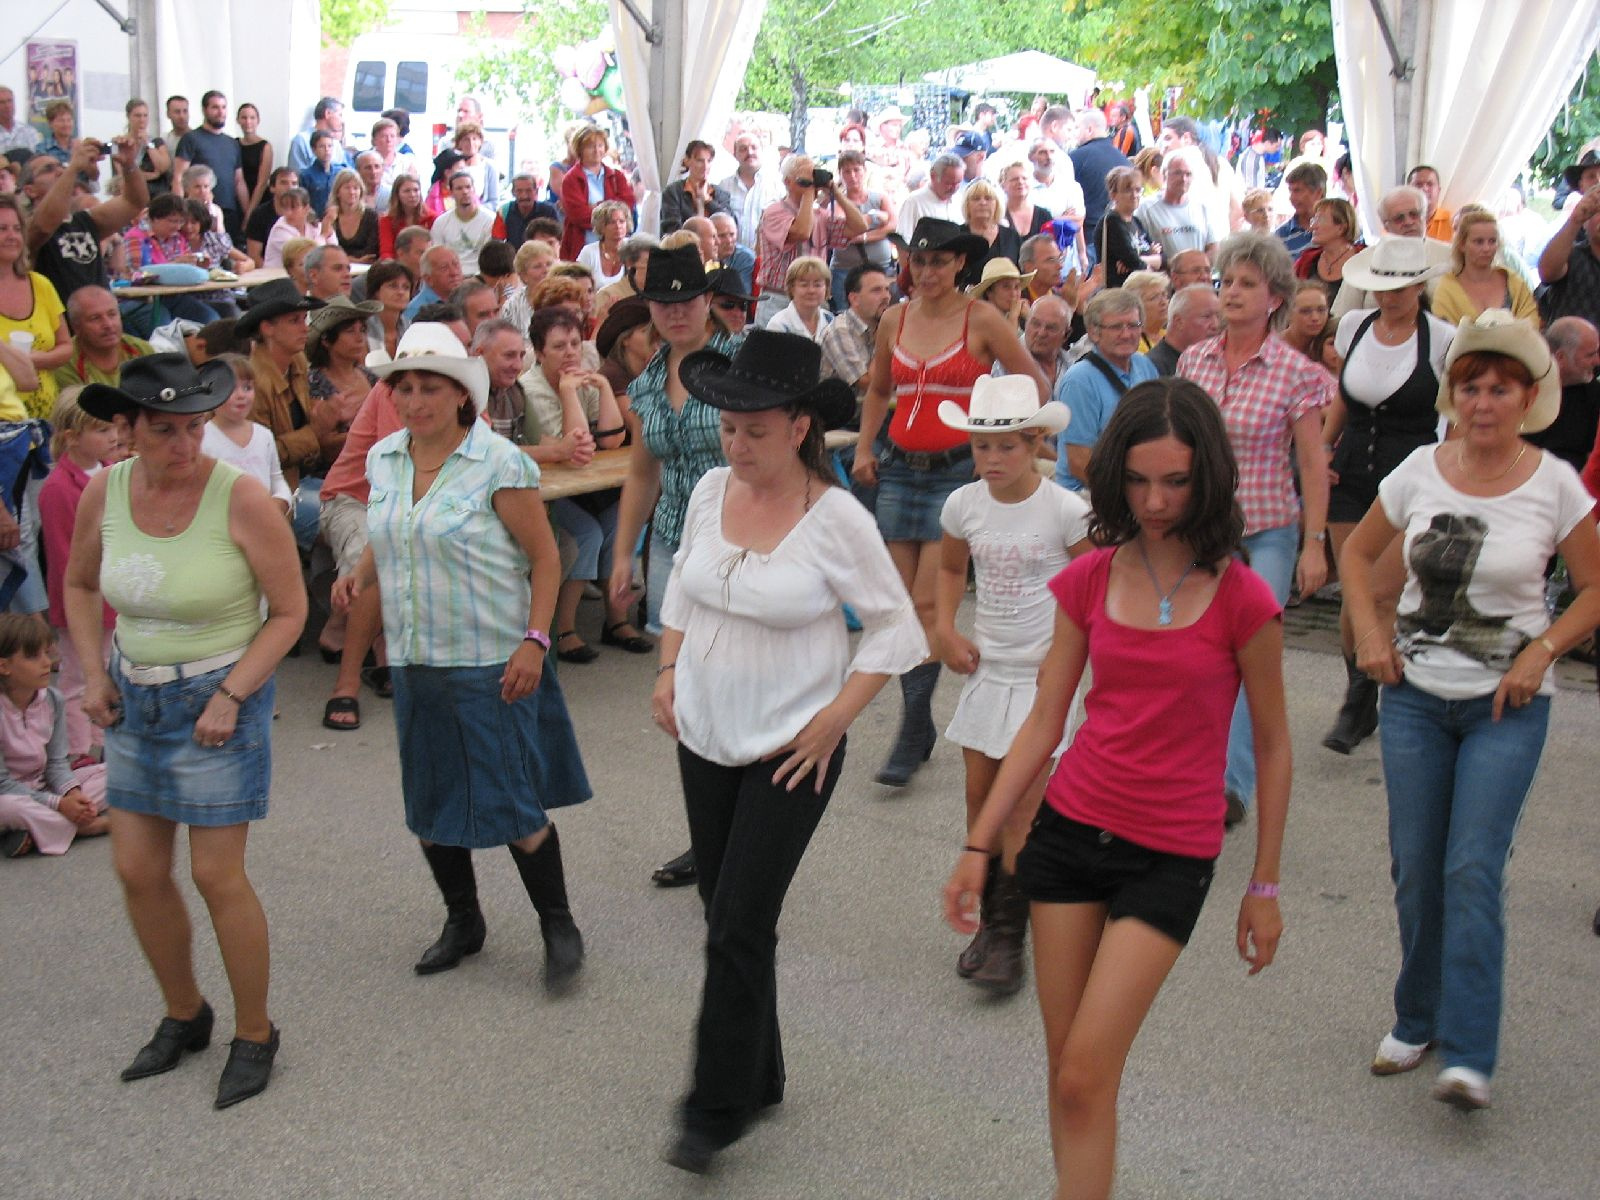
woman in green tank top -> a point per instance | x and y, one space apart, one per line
185 548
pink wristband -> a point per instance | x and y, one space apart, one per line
1266 891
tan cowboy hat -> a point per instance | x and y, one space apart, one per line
1004 404
994 271
1496 331
1391 263
339 311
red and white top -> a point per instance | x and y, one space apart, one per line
922 384
1260 403
1148 763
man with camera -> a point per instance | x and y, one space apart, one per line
814 217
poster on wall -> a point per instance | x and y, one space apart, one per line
52 76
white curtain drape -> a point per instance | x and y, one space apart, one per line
716 51
227 45
1490 77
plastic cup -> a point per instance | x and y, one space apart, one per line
22 340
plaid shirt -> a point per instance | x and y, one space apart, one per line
847 347
1260 403
827 234
688 443
454 582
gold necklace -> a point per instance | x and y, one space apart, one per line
430 470
1461 461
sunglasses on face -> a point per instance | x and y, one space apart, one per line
728 305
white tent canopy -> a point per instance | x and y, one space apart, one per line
1025 71
683 86
1477 85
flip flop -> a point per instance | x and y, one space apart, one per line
378 679
348 705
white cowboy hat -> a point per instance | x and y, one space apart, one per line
994 271
1496 331
1391 263
1004 404
889 114
430 346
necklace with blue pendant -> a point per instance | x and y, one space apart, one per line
1164 599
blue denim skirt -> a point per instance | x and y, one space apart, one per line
155 767
910 502
476 771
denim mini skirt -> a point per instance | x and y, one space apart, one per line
910 501
476 771
155 767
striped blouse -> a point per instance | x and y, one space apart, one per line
455 583
688 442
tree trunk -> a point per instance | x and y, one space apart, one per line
799 104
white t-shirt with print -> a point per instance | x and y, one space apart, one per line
466 238
1017 549
1178 227
1482 559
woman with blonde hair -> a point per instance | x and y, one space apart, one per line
613 222
1154 291
806 283
1335 236
532 264
1479 282
983 211
348 221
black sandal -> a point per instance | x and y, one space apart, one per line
677 872
379 680
583 653
633 643
347 705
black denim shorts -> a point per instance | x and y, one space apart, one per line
1067 862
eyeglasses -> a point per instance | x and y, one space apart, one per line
1122 327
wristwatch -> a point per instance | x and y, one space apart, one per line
539 636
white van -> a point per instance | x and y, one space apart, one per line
388 70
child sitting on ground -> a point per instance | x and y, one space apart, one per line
44 803
81 446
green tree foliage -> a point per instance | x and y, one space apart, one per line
1230 57
522 68
1576 124
343 21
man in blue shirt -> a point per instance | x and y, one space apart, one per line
441 275
1095 383
1307 184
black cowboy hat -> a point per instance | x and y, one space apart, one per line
770 370
725 281
932 233
1574 173
625 315
673 276
268 300
445 161
161 383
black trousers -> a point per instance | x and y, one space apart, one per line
748 837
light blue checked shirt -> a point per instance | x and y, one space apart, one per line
455 583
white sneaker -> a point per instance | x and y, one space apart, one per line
1395 1057
1462 1087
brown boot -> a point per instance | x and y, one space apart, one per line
1001 971
977 949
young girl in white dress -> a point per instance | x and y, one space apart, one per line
1019 530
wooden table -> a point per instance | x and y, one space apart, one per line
608 470
248 279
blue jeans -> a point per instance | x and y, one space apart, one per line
1457 781
595 536
1272 556
306 516
660 570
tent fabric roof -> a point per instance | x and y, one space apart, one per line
1025 71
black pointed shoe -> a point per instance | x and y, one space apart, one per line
163 1052
248 1070
462 935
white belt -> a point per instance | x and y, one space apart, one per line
172 672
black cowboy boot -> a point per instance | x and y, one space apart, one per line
977 950
917 736
463 928
1359 715
1001 971
546 881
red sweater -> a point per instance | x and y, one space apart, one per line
577 210
58 511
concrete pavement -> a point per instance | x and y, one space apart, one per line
903 1081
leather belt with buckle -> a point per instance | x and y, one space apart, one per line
919 460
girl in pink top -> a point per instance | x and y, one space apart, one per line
1120 858
44 803
82 446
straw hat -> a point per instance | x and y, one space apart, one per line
994 271
1004 404
1392 263
1496 331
